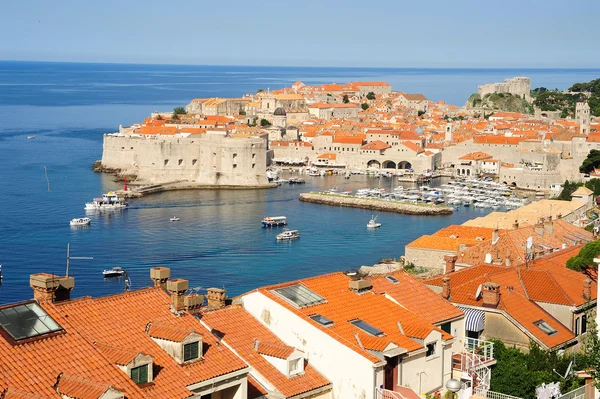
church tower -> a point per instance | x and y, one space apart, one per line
582 116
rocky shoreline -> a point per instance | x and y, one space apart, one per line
374 204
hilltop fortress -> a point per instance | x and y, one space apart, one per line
519 86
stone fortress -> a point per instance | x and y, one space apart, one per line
518 86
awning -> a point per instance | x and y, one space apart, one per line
474 320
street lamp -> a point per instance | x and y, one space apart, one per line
453 385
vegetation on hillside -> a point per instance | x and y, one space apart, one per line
591 162
500 101
371 96
265 123
569 188
364 106
179 111
555 100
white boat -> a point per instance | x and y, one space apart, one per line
30 137
114 272
175 219
288 235
373 223
271 221
80 222
109 201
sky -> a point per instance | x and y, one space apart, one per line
380 33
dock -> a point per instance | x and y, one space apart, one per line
140 191
375 204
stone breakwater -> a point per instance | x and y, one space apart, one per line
374 204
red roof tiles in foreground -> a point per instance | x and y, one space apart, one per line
240 331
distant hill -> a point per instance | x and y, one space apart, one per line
554 100
500 102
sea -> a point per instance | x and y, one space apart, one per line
219 241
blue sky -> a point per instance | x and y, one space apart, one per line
380 33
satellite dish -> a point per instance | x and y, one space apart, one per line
488 258
529 242
478 293
569 369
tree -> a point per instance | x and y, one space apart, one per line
591 162
260 90
564 113
264 123
370 96
420 113
568 189
345 99
364 106
159 117
585 259
242 112
175 116
591 352
179 111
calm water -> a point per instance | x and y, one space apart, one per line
219 241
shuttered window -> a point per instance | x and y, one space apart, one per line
190 351
139 375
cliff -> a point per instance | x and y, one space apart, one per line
499 102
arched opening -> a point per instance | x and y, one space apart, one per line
389 165
514 184
404 165
458 171
505 183
373 164
468 172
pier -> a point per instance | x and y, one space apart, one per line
375 204
141 191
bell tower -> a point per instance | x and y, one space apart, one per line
582 116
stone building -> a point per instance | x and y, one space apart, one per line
418 102
582 116
334 111
518 86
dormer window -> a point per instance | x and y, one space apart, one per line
182 344
139 375
295 366
136 365
191 351
288 360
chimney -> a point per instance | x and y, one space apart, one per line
48 287
177 288
587 289
515 225
491 294
549 226
216 297
450 263
446 287
539 227
495 236
193 301
160 275
507 260
359 285
559 216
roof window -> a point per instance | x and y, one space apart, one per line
392 279
27 320
545 327
322 320
369 329
299 296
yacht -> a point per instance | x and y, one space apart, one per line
109 202
114 272
80 222
288 235
271 221
373 223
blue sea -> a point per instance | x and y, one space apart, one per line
219 240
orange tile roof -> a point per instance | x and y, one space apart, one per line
152 130
475 156
123 319
489 139
412 146
468 232
12 393
348 140
240 330
328 155
343 305
441 243
170 333
416 297
376 145
273 349
120 356
325 105
81 388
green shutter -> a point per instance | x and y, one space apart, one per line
139 375
190 351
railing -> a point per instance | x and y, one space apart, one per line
578 393
480 347
387 394
492 395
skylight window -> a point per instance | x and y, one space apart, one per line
324 321
369 329
28 320
545 327
299 296
392 279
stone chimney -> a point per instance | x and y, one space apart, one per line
507 261
216 297
450 263
491 294
539 227
193 301
446 287
549 225
160 275
48 287
495 236
515 225
177 288
587 289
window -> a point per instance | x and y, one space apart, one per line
190 351
27 321
180 162
431 349
166 162
583 323
446 327
392 279
545 327
234 165
253 165
369 329
194 161
139 375
295 366
299 296
324 321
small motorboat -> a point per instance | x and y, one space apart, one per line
80 222
116 271
175 219
30 137
272 221
288 235
373 223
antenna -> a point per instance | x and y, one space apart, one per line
69 257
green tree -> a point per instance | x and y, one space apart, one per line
591 352
565 113
242 112
159 117
260 90
568 189
175 116
370 96
345 99
264 123
179 111
364 106
585 258
591 162
420 113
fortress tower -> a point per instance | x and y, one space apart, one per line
582 116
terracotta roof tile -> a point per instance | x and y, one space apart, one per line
81 388
278 350
175 334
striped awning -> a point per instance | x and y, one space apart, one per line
474 320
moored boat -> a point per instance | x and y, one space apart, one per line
271 221
373 223
109 201
114 272
175 219
288 235
80 222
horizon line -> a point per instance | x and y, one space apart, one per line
290 66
